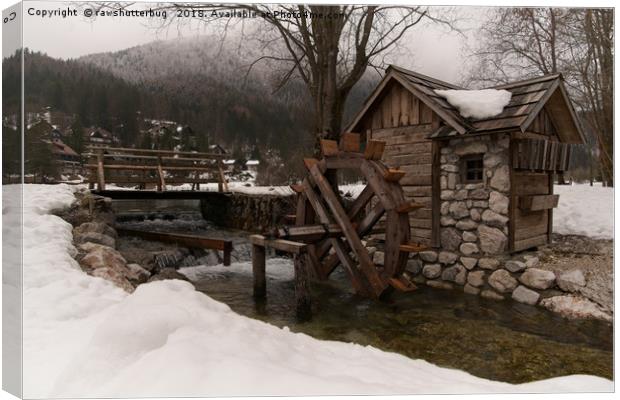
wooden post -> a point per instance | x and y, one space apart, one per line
222 185
302 295
227 251
100 172
258 271
161 183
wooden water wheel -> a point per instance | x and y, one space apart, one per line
336 234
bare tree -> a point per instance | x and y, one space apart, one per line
591 53
328 47
526 42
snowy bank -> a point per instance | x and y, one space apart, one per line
84 337
478 104
585 210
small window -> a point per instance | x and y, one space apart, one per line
472 169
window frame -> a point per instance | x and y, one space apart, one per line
465 169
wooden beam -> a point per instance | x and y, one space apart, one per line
408 207
402 283
310 162
341 218
539 202
308 232
297 188
196 241
343 255
374 150
279 244
412 247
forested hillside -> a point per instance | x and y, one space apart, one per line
191 82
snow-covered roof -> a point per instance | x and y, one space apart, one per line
460 116
478 104
229 162
252 162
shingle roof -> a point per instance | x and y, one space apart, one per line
528 98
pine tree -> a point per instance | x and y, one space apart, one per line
76 140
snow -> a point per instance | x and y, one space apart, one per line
477 104
84 337
585 210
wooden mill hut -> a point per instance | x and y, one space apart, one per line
486 183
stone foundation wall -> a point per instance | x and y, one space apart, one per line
474 222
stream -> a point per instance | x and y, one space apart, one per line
504 341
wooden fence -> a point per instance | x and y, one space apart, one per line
158 168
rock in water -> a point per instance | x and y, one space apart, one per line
115 277
100 256
476 278
575 307
137 274
95 226
168 273
490 294
95 237
525 295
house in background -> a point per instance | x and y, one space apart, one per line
487 183
47 153
99 137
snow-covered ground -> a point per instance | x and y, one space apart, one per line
585 210
84 337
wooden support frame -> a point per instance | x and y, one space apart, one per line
303 303
197 241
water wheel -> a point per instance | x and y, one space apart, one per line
337 233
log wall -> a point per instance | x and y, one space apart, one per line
404 123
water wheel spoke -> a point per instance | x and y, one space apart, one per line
366 264
358 205
360 202
319 202
379 186
349 265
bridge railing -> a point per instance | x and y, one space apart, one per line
144 167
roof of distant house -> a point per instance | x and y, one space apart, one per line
59 147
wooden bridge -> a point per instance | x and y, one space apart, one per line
152 171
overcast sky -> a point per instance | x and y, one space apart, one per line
428 48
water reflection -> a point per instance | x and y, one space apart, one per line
496 340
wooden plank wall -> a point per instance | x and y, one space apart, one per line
543 124
403 122
530 228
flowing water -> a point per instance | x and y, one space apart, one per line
503 341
